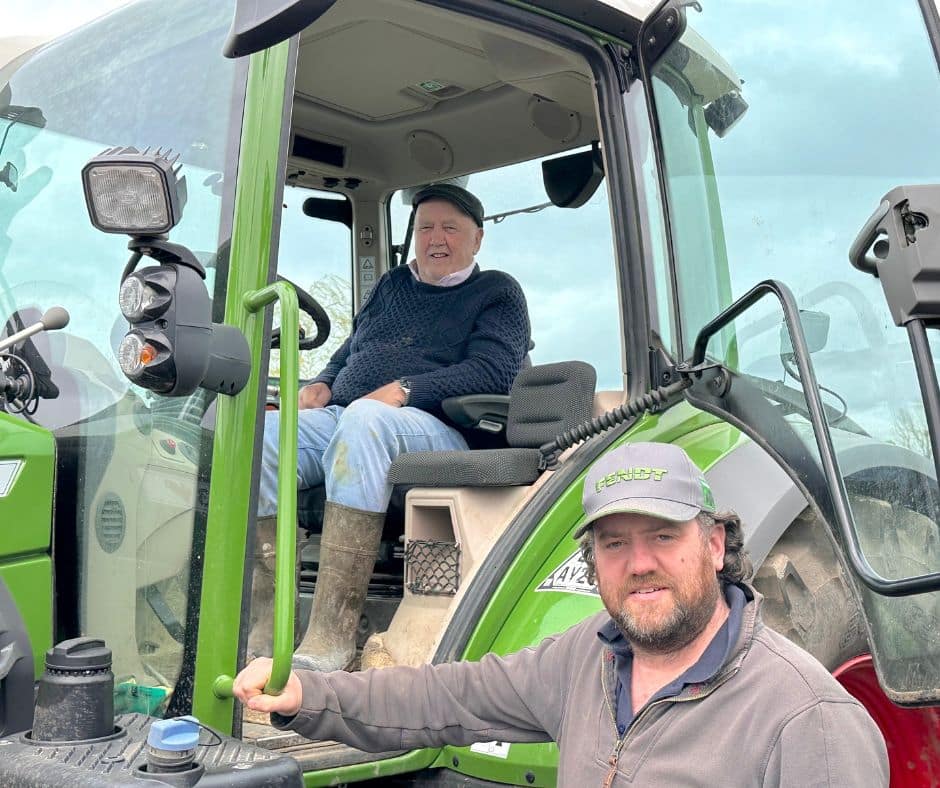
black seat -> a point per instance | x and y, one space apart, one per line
545 400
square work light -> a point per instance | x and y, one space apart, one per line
133 192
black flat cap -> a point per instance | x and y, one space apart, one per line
455 195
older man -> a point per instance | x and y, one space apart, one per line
677 683
437 328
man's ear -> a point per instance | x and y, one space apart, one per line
716 545
476 248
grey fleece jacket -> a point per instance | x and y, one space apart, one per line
771 716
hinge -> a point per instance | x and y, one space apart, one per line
662 368
624 64
660 29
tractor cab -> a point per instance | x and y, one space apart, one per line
678 190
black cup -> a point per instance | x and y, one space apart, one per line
75 702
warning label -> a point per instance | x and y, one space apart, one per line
498 749
366 277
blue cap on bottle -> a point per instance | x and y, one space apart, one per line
175 735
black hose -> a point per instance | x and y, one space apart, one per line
652 400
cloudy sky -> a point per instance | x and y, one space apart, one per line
52 17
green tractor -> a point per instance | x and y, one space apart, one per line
725 212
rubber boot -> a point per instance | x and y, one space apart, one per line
348 549
261 633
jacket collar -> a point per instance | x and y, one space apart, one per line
613 640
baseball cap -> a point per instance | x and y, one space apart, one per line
657 479
466 202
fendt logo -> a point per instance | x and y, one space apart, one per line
570 577
638 474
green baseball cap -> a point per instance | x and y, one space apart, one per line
657 479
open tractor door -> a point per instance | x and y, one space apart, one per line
725 218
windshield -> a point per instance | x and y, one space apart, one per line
773 160
131 489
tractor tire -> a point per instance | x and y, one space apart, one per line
807 595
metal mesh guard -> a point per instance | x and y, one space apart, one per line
432 568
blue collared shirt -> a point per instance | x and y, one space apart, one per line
714 656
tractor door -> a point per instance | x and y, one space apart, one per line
771 178
133 467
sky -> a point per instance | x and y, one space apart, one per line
53 17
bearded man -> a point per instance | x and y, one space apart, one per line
677 682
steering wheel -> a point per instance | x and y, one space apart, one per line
309 305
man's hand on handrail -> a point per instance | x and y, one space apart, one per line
249 689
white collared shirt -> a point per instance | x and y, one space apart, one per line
448 280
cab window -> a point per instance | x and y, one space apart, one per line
316 255
563 258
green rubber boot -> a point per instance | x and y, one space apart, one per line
261 633
348 549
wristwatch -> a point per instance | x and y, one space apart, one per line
406 387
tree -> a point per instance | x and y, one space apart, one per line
334 294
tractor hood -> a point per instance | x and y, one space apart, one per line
259 24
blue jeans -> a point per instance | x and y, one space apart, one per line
350 450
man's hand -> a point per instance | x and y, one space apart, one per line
391 394
249 689
314 395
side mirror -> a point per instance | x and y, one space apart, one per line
724 112
570 181
815 327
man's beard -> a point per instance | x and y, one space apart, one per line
694 601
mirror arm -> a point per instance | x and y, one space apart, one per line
835 482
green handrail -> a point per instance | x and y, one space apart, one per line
285 541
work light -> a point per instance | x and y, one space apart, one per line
171 346
133 192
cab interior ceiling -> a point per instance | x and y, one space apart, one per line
496 96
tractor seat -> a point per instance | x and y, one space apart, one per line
545 400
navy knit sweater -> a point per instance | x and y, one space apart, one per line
446 341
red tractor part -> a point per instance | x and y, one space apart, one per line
912 735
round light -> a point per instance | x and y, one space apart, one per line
130 353
131 298
148 354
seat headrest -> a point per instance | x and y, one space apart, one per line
547 399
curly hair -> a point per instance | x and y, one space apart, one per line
737 565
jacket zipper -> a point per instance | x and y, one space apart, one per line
615 755
612 762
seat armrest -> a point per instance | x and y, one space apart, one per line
487 412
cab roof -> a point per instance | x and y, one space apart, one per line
259 24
